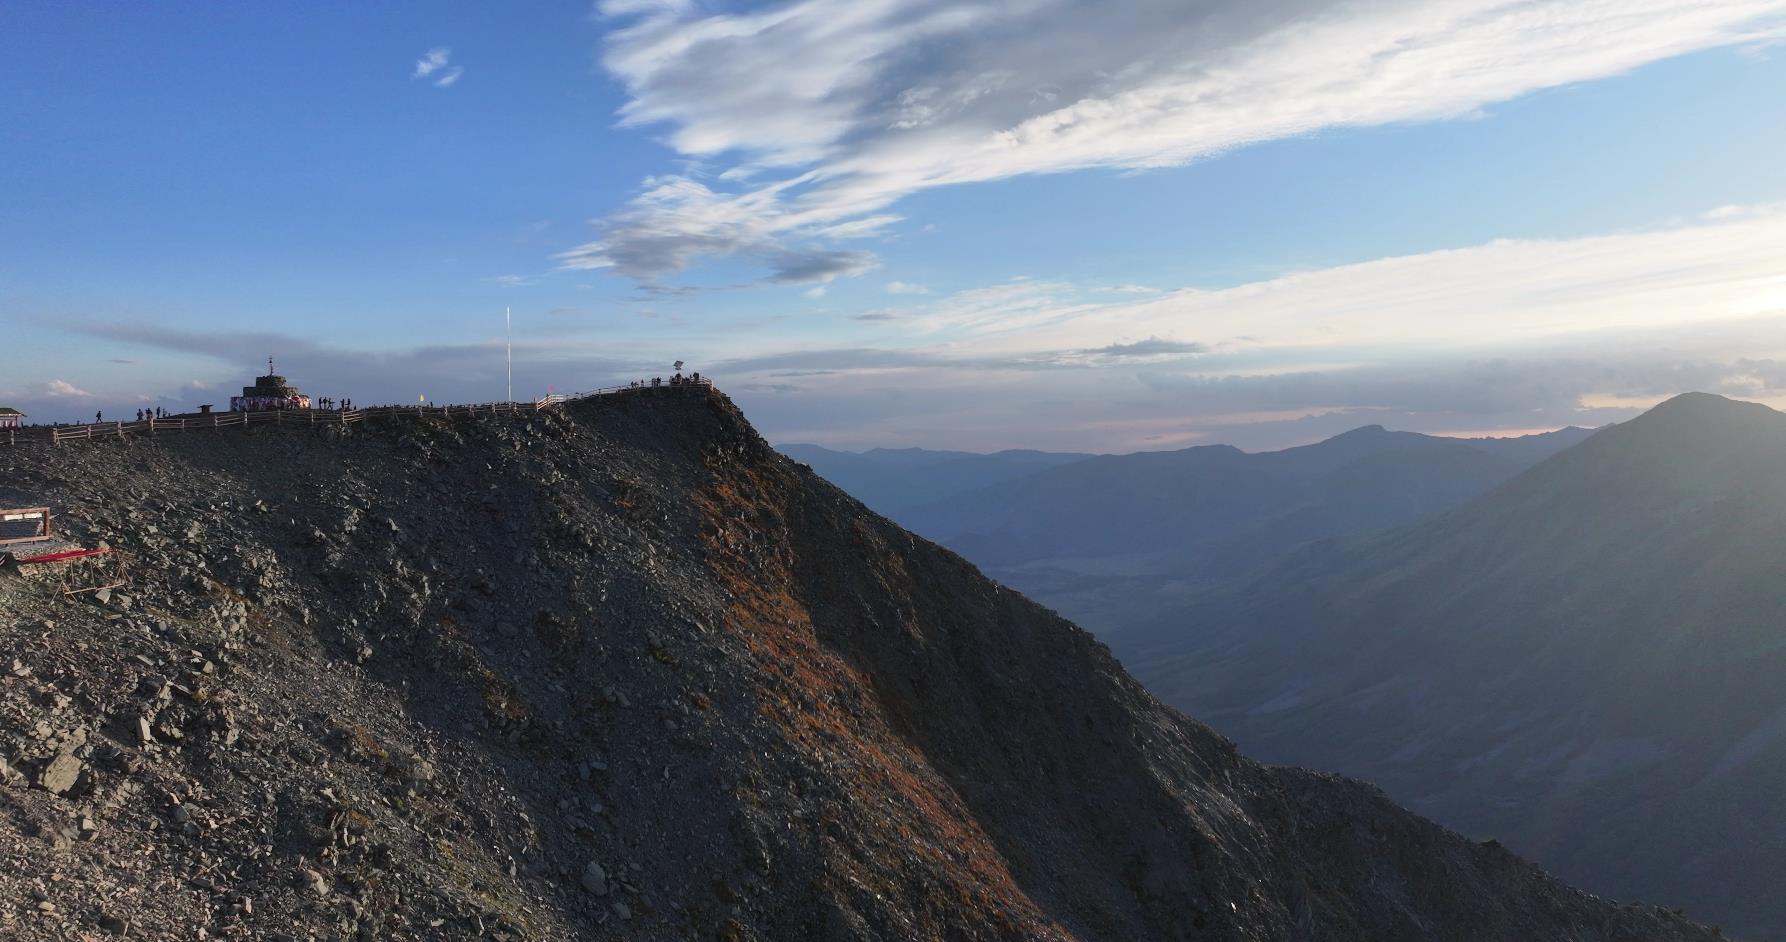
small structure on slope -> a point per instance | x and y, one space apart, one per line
10 417
270 392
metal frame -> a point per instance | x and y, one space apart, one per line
25 513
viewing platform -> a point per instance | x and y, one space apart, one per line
312 417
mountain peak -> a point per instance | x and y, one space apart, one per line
1701 401
1699 420
1703 405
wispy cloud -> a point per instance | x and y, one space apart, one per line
1510 334
678 220
433 61
436 66
1151 347
1505 335
831 111
901 287
62 389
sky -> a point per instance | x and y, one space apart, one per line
1115 226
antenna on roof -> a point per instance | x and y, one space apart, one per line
269 366
509 338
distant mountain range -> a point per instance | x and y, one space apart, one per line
894 480
1585 662
1112 539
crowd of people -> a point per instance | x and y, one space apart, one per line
693 379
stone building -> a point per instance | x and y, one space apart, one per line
269 392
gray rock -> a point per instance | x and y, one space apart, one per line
61 774
315 883
595 879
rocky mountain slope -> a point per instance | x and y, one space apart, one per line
618 670
1583 663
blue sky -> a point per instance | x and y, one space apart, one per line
893 222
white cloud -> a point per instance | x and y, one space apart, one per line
1506 291
836 109
61 389
436 65
432 62
1508 334
901 287
678 219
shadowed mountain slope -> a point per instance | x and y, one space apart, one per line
619 670
1176 501
893 480
1583 662
1117 539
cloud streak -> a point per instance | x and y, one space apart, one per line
435 65
61 389
1511 334
828 112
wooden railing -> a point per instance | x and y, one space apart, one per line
58 434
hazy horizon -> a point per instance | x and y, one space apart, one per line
908 222
1465 436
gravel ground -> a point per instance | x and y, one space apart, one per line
618 670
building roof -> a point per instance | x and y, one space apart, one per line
5 410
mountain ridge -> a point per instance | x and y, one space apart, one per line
618 670
1576 661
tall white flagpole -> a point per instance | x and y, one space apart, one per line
509 337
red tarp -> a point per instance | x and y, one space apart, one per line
60 557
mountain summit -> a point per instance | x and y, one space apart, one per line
619 670
1583 662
